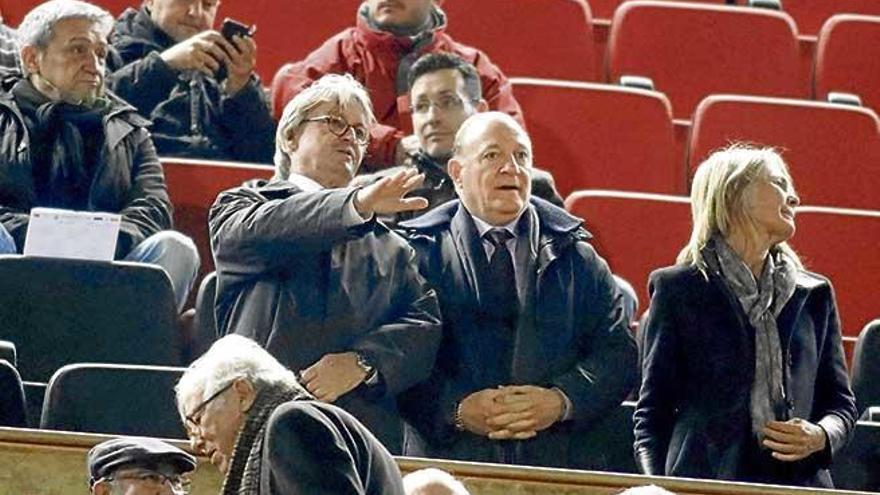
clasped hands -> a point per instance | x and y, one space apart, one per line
333 376
516 412
794 439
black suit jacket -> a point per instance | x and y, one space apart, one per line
312 448
693 416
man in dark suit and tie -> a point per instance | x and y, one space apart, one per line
535 348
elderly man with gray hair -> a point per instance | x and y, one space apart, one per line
268 435
69 144
305 269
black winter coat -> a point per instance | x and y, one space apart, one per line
693 416
127 180
292 276
571 334
192 116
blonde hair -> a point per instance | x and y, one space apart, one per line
342 90
718 197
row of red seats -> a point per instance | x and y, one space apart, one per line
689 50
595 136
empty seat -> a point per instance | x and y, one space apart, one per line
848 58
636 233
12 403
604 9
598 136
15 10
66 311
866 367
833 150
855 466
693 50
288 31
507 30
8 352
206 319
117 399
810 15
194 185
842 245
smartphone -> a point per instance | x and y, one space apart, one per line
231 27
228 29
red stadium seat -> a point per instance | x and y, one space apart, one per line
810 15
848 58
693 50
15 10
194 185
601 136
636 233
604 9
843 246
289 30
536 38
833 151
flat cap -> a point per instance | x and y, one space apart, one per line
106 457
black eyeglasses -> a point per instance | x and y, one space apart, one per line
191 419
180 485
338 126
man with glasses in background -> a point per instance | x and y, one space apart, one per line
139 466
304 268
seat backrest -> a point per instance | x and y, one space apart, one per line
855 466
12 404
848 58
287 31
810 15
66 311
604 9
8 352
15 10
599 136
833 151
842 245
866 367
115 399
206 319
628 233
693 50
533 38
194 185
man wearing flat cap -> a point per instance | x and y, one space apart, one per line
138 466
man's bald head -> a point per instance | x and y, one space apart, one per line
490 167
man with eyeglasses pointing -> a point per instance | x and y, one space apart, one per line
306 270
139 466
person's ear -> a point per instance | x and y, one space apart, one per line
291 139
245 392
102 487
482 106
454 167
30 59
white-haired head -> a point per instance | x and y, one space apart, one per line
36 29
646 490
432 481
229 358
340 89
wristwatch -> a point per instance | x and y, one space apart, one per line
363 363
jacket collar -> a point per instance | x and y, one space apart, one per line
375 35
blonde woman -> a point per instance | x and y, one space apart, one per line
743 370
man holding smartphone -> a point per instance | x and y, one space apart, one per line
197 86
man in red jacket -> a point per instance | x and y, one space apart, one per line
390 35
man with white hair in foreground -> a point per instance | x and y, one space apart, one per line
267 434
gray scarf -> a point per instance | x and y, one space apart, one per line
243 477
762 300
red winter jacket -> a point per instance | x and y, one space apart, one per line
372 57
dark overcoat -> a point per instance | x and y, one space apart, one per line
693 416
572 334
294 277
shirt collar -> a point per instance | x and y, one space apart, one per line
483 227
305 183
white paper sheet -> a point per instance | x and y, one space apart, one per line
56 233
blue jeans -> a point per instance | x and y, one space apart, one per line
176 254
172 251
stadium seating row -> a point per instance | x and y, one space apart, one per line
688 49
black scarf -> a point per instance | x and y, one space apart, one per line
66 144
243 477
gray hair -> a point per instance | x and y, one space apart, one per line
646 490
228 359
718 197
342 90
417 481
484 118
36 29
